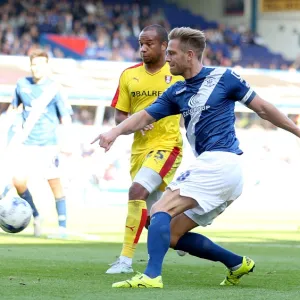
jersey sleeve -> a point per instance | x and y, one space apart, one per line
121 99
163 106
16 101
62 105
237 88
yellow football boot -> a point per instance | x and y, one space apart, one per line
233 277
140 281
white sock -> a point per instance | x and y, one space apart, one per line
126 260
62 230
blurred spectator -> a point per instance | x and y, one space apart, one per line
116 55
256 65
136 29
127 52
284 67
236 54
117 39
91 51
296 64
273 66
125 30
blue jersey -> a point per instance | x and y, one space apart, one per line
28 93
207 103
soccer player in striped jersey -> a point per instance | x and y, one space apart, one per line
41 96
155 153
206 99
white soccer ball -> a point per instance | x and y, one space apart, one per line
15 214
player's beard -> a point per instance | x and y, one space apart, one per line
148 60
175 71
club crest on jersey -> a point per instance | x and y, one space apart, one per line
209 82
168 79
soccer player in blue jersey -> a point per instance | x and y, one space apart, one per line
206 99
45 108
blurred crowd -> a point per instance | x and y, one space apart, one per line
224 45
111 30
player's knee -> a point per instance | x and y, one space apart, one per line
159 207
20 183
138 192
174 240
165 204
154 209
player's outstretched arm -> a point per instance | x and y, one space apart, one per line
120 116
132 124
269 112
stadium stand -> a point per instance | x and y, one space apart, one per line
108 30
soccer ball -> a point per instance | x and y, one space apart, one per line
15 214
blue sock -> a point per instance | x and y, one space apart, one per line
158 243
27 196
61 211
198 245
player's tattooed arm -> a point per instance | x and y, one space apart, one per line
269 112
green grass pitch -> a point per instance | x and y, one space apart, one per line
33 268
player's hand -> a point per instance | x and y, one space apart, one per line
146 128
106 139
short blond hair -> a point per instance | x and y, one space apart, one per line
38 53
190 39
